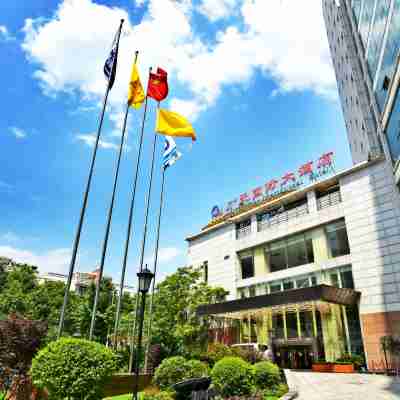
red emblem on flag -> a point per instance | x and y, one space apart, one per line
157 88
306 169
325 160
271 185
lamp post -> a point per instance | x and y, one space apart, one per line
145 277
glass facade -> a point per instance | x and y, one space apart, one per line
393 129
337 239
376 35
389 56
365 20
292 252
356 6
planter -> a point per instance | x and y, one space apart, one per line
322 367
343 368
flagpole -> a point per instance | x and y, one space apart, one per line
84 203
108 226
155 270
130 219
143 248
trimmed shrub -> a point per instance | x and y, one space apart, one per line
176 369
169 372
195 369
218 351
276 392
73 369
266 375
232 376
156 396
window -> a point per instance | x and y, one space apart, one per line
275 287
334 278
302 283
287 285
337 239
247 264
277 256
292 252
243 228
346 278
306 324
296 251
393 129
277 326
205 271
291 325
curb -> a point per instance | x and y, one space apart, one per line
292 394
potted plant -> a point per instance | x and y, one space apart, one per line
343 367
321 366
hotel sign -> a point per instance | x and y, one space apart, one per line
307 173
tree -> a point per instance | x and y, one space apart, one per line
19 341
19 283
176 326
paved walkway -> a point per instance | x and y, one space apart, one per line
329 386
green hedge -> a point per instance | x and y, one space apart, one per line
73 369
266 375
176 369
232 376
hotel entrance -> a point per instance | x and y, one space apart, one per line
299 326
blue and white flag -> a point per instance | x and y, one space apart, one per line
110 66
171 154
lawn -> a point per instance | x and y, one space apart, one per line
122 397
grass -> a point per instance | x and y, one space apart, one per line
122 397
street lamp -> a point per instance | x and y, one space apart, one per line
145 277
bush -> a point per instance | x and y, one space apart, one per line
175 369
232 376
355 359
276 392
156 396
170 371
251 356
266 375
217 352
73 369
196 369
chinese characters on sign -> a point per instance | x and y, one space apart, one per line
307 173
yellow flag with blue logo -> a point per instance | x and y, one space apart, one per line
136 94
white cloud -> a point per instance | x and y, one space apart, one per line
18 132
166 254
5 34
56 260
90 140
217 9
284 39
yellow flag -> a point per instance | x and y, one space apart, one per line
136 94
173 124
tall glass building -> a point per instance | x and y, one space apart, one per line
364 39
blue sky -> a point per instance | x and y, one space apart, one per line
254 77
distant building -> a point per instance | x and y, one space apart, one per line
80 281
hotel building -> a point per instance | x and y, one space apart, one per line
364 40
313 271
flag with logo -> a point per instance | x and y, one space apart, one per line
110 66
173 124
157 87
171 154
136 94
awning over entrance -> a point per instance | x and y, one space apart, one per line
324 293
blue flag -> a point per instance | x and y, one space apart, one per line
110 66
171 154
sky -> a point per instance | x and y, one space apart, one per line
253 76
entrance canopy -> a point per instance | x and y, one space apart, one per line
320 293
